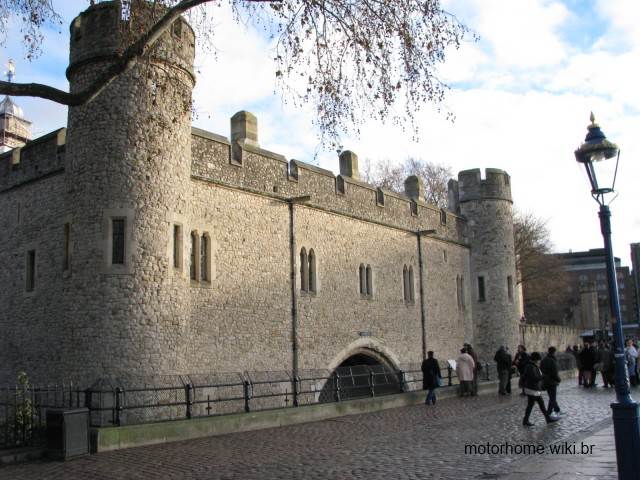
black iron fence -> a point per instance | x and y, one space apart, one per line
114 402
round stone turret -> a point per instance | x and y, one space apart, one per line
128 165
487 205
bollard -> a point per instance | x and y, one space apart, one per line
449 375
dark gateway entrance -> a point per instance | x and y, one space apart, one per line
363 374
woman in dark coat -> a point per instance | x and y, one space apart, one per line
532 383
430 377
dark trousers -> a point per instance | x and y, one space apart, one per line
531 399
431 397
553 403
503 375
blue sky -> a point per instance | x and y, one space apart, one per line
521 95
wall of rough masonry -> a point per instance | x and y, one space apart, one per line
538 338
32 323
132 154
486 203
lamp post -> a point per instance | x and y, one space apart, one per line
593 154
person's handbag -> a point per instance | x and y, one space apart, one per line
439 381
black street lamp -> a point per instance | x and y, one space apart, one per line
593 154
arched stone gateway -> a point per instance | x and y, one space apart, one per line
364 370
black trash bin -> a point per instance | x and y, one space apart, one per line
67 432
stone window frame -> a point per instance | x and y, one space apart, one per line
313 272
205 273
194 257
122 249
308 272
443 216
365 277
304 270
67 246
408 287
200 280
482 289
30 270
177 243
128 215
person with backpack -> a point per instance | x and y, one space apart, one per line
551 379
532 383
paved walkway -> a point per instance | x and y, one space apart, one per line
416 442
599 464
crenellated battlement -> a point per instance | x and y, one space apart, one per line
36 159
471 186
215 160
100 34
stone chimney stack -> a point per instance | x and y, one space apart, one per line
349 165
414 188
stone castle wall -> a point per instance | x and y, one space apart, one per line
488 206
538 338
147 317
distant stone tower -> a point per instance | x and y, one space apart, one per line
128 164
487 205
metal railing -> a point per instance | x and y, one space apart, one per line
152 399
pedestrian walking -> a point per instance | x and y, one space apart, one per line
551 379
587 362
503 365
431 377
631 356
476 370
465 367
576 354
520 361
605 360
532 381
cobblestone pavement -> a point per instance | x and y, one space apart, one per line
417 442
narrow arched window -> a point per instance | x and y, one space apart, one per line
369 281
411 290
204 258
304 270
462 302
363 280
405 283
312 271
193 256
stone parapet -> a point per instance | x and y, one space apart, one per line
37 159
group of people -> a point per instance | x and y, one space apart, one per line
596 357
536 376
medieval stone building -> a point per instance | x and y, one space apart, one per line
134 244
